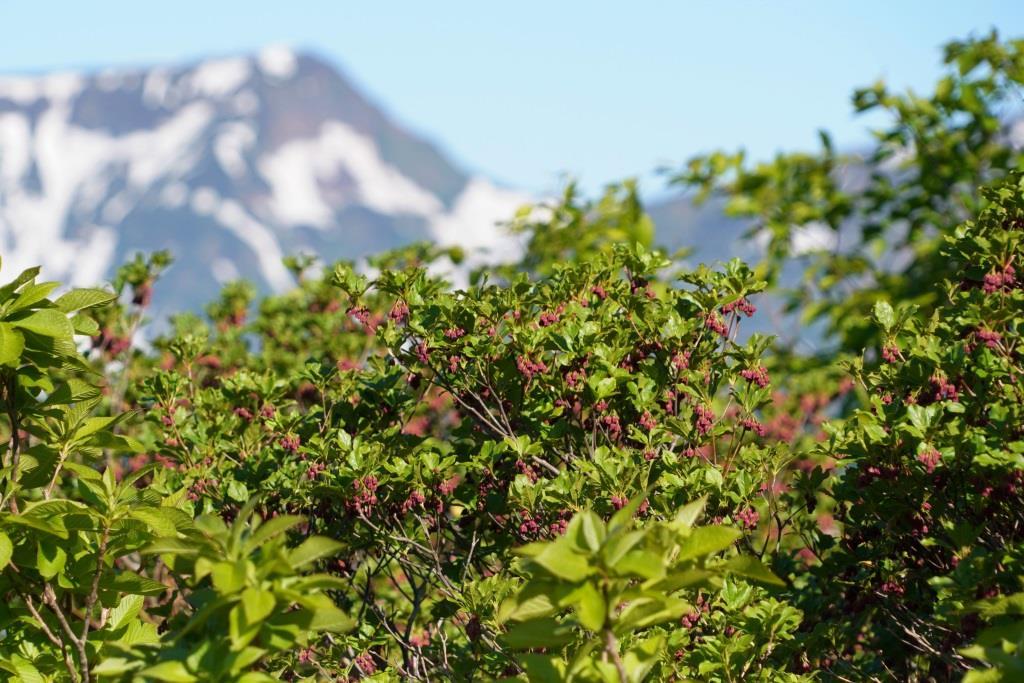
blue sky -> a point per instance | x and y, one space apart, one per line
525 91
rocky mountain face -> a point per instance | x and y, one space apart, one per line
229 163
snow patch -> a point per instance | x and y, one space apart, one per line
109 80
220 77
246 103
224 270
24 90
278 61
74 166
15 156
474 222
156 87
117 208
233 141
205 201
94 257
298 170
260 239
174 195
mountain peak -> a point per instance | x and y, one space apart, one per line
231 163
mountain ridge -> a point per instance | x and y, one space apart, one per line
230 163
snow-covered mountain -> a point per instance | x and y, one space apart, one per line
230 163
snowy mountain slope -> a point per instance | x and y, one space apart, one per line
231 164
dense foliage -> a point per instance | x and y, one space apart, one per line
579 467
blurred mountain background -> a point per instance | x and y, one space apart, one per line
232 162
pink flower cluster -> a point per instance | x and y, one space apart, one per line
890 353
715 323
758 375
944 389
742 305
681 361
692 619
448 486
529 368
611 423
575 378
705 419
524 468
454 333
754 426
360 313
997 281
365 663
990 337
421 639
365 495
930 458
422 352
290 443
415 500
399 312
748 517
551 317
315 469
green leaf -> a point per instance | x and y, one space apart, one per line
115 666
6 549
50 558
272 528
162 521
560 560
126 610
237 491
229 577
537 633
706 540
691 512
246 617
525 607
591 530
751 568
25 276
623 519
129 582
77 299
330 618
543 668
258 604
591 607
47 322
171 672
85 325
646 612
642 563
884 315
27 673
12 343
312 549
32 294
